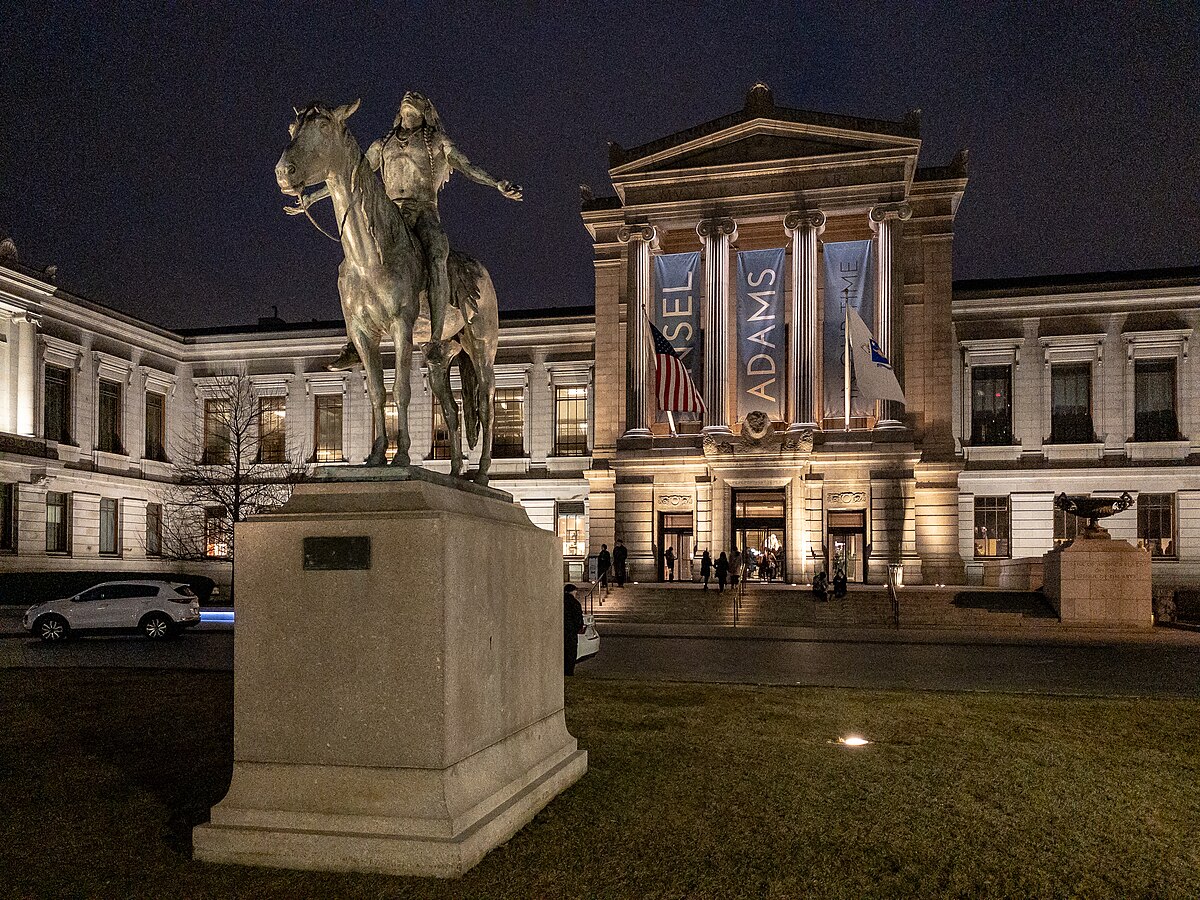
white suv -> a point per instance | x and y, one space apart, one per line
156 609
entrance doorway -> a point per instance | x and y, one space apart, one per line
760 532
847 550
675 531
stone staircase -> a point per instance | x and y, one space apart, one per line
865 606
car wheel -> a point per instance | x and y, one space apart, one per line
52 629
156 626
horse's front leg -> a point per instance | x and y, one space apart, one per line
368 351
402 389
439 380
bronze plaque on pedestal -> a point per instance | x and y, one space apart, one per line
337 553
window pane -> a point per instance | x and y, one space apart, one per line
1071 404
109 439
991 527
1066 527
572 531
508 413
156 427
153 529
216 432
8 516
991 405
1154 401
218 536
57 532
329 427
272 429
108 526
570 421
441 434
57 419
1156 524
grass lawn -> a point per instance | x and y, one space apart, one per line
692 791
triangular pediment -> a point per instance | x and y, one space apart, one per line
766 146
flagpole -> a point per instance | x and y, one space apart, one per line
846 360
670 421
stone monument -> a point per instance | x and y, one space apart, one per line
398 681
1095 580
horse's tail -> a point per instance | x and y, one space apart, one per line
472 403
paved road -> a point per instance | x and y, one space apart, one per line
1169 668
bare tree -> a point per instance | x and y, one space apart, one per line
232 462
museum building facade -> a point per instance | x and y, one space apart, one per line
1015 389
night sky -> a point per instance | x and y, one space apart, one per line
137 144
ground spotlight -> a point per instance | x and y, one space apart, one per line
853 741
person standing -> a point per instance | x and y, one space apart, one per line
722 567
735 566
572 625
603 562
620 554
705 568
670 558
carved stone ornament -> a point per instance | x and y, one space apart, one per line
676 501
758 438
756 426
846 497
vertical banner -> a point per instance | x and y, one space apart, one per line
676 311
761 365
848 281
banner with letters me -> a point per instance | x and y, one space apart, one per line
676 311
848 279
761 341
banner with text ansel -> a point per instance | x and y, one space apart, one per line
676 311
848 281
761 364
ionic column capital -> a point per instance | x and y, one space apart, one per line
716 227
886 212
805 218
27 318
631 233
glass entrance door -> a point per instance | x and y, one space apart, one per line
760 533
675 533
847 547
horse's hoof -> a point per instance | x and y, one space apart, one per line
376 459
400 459
481 479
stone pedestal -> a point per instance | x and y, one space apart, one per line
1099 581
404 717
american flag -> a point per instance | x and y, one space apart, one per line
676 392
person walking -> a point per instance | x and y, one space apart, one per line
572 625
705 568
722 567
603 563
620 554
670 558
735 566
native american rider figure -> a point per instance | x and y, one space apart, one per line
414 160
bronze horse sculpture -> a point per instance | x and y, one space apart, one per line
382 282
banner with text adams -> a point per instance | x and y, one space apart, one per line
848 280
676 311
761 365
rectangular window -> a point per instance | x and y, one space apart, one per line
570 421
991 527
218 535
156 427
272 429
508 413
1156 525
58 531
57 420
109 436
109 526
1154 400
1066 527
572 529
991 406
1071 404
9 494
441 434
328 417
216 433
153 529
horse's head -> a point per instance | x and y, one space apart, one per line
319 145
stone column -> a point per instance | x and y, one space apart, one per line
889 309
716 234
804 227
27 355
637 373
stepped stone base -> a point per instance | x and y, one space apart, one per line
1099 581
398 711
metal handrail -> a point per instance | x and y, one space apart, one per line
894 596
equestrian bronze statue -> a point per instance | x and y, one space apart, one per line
386 283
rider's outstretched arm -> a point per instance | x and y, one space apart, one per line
458 160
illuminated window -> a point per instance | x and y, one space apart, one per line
328 416
572 528
272 429
109 526
109 437
216 433
1071 404
58 530
991 527
218 535
153 529
156 427
570 421
508 414
57 419
1156 525
991 406
9 494
1154 416
441 434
